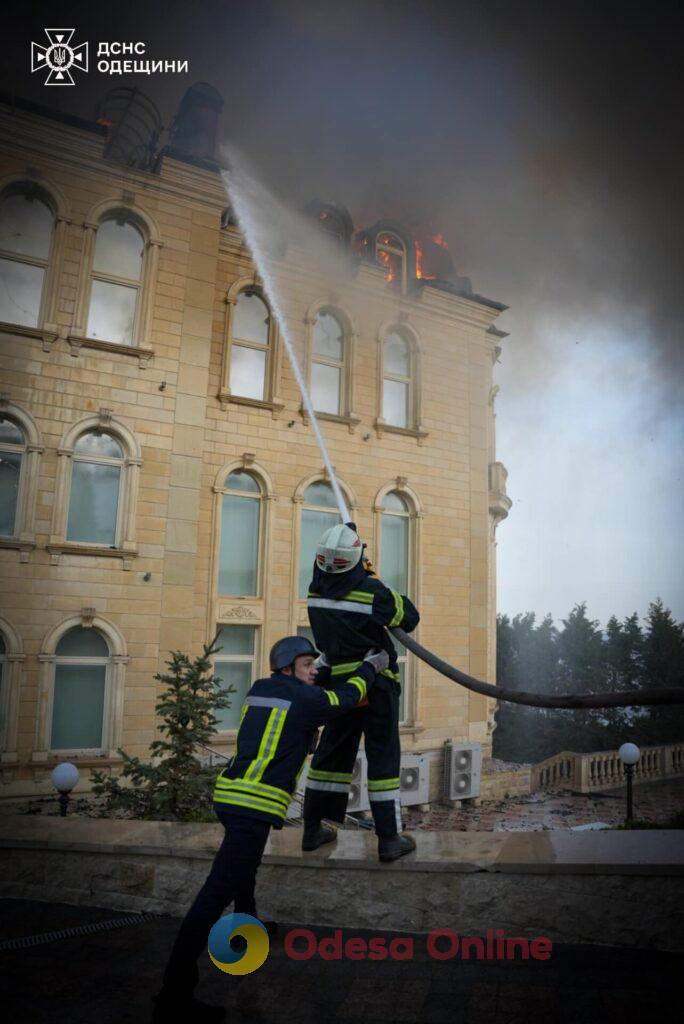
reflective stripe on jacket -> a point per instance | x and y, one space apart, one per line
345 627
278 720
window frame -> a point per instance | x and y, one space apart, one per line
112 714
346 415
99 461
299 615
24 538
55 204
12 673
106 699
140 347
107 278
392 250
271 400
230 735
261 533
411 721
125 544
415 428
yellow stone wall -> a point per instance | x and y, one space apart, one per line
187 436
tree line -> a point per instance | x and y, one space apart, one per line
582 658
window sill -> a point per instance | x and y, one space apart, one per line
48 760
143 355
387 428
350 420
274 406
411 730
48 337
24 547
73 548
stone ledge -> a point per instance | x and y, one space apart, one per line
647 852
619 889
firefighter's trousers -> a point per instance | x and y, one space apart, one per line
330 776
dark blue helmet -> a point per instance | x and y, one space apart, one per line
284 652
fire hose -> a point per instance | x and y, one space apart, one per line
665 695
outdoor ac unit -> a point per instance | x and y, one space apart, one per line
414 779
358 793
462 767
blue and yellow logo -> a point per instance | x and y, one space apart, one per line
232 961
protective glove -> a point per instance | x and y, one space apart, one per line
321 661
378 659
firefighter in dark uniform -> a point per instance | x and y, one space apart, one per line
349 609
279 718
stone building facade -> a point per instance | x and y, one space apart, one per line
159 478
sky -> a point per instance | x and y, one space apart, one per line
544 140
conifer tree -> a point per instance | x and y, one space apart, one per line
174 784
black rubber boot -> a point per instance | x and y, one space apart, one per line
393 847
168 1010
316 834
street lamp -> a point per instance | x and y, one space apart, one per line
629 755
64 778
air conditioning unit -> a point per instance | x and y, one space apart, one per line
462 768
414 779
358 793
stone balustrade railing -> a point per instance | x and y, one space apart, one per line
603 769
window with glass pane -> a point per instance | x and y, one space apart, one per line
249 350
12 447
26 224
327 364
79 691
396 385
394 564
239 549
316 519
391 254
234 666
95 488
115 286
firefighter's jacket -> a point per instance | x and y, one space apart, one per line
348 615
279 718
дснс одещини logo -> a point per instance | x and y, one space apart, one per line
59 57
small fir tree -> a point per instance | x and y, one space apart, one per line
175 784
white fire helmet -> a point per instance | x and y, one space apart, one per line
339 549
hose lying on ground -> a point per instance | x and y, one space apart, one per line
671 695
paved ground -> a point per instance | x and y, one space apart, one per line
109 976
653 801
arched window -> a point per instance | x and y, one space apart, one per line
397 518
250 349
397 381
26 232
116 281
390 253
12 454
94 494
319 513
328 358
79 697
239 552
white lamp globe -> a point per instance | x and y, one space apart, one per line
65 776
629 753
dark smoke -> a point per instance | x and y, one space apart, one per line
544 140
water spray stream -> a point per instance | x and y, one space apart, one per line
243 212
